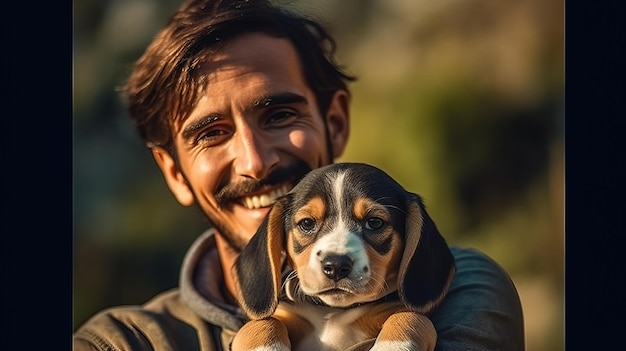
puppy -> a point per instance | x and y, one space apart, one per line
347 260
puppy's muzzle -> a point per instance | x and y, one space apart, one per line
337 267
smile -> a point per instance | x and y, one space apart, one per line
265 199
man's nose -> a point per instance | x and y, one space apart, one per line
254 155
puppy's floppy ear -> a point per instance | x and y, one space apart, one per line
427 265
257 270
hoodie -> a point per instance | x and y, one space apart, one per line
481 311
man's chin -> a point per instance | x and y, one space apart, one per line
246 222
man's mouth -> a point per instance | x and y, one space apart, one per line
264 199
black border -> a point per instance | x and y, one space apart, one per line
594 155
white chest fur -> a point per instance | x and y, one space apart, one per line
333 329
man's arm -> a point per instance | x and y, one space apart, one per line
482 310
165 323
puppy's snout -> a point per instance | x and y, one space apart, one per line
337 267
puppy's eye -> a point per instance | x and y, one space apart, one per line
374 223
307 225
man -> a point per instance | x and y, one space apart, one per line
237 100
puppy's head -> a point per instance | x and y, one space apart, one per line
352 235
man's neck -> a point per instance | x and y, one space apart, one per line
227 256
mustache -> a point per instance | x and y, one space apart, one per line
293 172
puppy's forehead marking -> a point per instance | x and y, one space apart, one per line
338 193
340 200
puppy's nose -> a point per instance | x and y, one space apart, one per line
337 267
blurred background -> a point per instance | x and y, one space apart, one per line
460 100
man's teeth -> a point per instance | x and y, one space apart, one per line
264 200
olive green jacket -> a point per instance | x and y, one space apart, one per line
482 311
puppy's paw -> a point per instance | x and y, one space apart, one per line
262 335
239 345
396 345
276 347
406 331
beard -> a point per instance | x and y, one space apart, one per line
229 194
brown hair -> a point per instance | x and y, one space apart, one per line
163 87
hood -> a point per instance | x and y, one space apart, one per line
202 285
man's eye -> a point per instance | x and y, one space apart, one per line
374 223
306 225
280 118
212 136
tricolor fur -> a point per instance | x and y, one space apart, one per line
346 257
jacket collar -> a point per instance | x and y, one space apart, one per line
202 284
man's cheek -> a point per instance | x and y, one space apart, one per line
306 141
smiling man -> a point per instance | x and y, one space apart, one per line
237 101
254 132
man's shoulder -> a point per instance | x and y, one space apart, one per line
472 258
482 308
475 267
164 320
128 314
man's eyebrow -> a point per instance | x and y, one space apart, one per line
278 99
189 130
262 102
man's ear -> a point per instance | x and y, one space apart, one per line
173 176
338 122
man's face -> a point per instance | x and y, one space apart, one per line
255 131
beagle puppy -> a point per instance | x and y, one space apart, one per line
347 260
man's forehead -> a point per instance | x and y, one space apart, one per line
252 71
256 50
